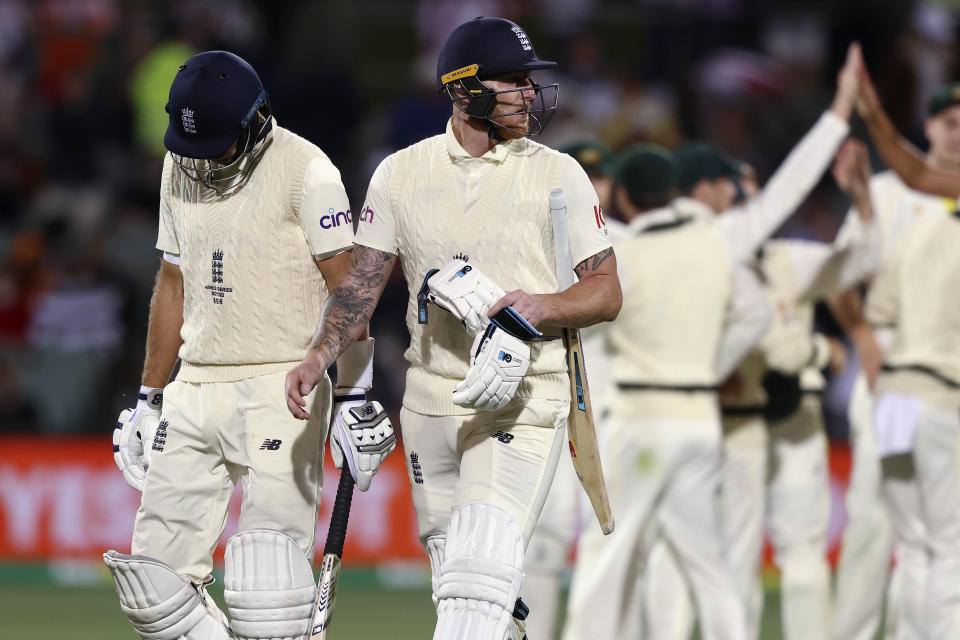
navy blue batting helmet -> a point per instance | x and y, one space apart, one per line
214 98
487 47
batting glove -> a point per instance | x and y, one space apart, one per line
498 363
462 290
134 435
363 436
360 431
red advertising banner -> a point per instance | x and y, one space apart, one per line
64 499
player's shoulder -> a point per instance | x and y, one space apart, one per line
292 145
417 150
885 181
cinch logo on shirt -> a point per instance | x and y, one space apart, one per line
336 219
366 215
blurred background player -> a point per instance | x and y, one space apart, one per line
482 434
868 538
772 413
649 176
662 448
545 560
916 402
254 227
712 182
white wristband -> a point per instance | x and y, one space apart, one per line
355 366
150 398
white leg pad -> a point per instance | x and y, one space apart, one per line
435 547
481 574
161 604
268 585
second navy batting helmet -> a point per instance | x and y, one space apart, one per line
487 47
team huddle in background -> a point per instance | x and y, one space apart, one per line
704 369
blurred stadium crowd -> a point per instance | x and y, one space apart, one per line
83 84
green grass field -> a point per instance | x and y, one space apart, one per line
40 609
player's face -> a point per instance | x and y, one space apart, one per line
943 132
512 102
718 194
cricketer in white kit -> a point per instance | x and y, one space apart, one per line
484 411
254 226
545 561
868 538
917 399
745 438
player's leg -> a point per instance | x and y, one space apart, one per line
546 556
689 514
798 504
743 480
181 516
268 579
433 467
507 464
938 432
606 577
667 605
868 537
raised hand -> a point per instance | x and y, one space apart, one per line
848 82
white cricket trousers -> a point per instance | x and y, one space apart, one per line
798 507
922 490
546 556
506 458
666 605
219 434
663 476
868 537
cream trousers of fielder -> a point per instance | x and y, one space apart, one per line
218 434
663 475
505 458
922 492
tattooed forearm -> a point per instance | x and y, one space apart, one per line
593 262
352 302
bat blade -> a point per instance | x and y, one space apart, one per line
582 435
581 432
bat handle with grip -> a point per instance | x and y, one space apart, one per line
341 513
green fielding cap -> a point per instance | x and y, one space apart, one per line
592 155
700 161
644 170
944 98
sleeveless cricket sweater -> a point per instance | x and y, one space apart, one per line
252 291
506 233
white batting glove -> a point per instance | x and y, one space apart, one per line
363 435
498 363
134 435
462 290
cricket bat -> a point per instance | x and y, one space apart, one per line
332 553
581 432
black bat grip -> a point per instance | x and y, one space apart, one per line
341 513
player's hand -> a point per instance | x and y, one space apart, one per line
838 355
300 381
497 364
852 171
362 434
868 102
848 82
133 436
869 354
531 307
462 290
